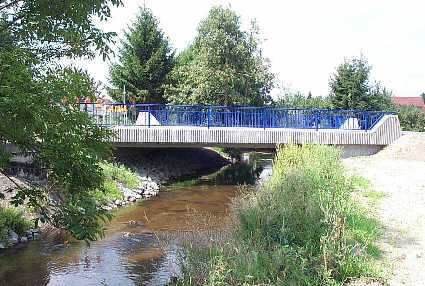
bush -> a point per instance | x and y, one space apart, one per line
13 219
291 99
301 228
411 118
118 172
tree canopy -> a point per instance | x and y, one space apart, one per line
145 59
60 138
295 99
223 66
352 90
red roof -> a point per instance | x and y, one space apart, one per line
414 101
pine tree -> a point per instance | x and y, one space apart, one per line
145 59
351 89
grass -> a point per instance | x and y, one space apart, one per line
119 173
14 219
301 228
114 174
228 152
364 185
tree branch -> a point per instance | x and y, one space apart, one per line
8 5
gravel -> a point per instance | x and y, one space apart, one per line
399 171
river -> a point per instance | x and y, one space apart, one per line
139 246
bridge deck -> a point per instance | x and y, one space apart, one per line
383 133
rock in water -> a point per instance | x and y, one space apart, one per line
13 238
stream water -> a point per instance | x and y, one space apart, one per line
134 253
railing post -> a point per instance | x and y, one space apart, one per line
264 117
209 115
316 113
149 116
365 122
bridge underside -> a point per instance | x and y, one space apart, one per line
383 133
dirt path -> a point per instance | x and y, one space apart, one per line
399 171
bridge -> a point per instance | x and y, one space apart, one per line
150 125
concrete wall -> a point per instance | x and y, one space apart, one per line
386 131
359 150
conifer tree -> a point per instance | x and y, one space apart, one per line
351 89
145 59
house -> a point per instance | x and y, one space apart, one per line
412 101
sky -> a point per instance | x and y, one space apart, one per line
305 40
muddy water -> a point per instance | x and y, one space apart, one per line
132 253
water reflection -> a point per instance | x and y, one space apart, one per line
130 253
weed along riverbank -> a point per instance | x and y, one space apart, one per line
302 227
139 247
296 220
131 175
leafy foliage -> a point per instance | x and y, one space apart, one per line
224 65
351 89
59 137
14 219
291 99
411 118
145 59
53 29
119 173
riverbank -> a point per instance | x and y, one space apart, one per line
131 175
302 227
139 247
397 173
156 167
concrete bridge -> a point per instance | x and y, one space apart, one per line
358 132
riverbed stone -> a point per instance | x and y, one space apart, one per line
24 239
13 238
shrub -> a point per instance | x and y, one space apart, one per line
120 173
411 118
301 228
112 190
13 219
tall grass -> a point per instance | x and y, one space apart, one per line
119 173
14 219
114 174
301 228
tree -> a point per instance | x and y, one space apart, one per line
295 99
224 65
61 139
411 118
351 89
145 59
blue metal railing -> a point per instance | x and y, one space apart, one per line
224 116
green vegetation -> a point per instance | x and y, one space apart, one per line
114 174
301 228
145 59
14 219
119 173
351 89
411 118
228 152
223 66
293 99
35 38
240 173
